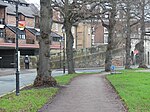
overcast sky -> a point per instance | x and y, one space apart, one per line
34 1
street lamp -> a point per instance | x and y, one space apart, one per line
17 59
63 31
60 51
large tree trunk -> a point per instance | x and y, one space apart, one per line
69 38
112 22
128 39
108 59
44 77
141 50
69 46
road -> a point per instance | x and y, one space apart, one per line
8 83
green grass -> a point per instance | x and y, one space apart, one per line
134 89
33 99
65 79
27 101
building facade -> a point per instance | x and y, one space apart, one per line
28 31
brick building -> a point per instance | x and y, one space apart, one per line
28 35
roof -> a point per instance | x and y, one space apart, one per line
27 10
21 1
35 32
53 34
13 28
2 3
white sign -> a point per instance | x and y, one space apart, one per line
18 60
2 26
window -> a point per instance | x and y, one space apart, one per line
37 22
89 31
1 21
105 38
105 30
22 36
1 33
56 39
21 17
56 27
5 1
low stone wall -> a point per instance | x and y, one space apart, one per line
90 60
83 61
93 60
33 62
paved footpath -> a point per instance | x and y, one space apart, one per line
87 93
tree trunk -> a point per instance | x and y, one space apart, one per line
141 50
112 22
108 59
69 37
44 77
69 46
128 39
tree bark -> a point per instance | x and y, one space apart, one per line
44 77
108 59
112 22
69 37
69 46
128 38
141 50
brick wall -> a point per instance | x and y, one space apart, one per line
99 34
10 19
30 22
2 9
83 35
29 35
9 33
1 40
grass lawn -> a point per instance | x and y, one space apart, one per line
134 89
33 99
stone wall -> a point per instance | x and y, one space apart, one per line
96 59
86 60
33 62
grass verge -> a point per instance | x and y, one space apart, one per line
134 89
33 99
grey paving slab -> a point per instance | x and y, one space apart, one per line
90 93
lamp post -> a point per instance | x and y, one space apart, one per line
60 51
63 31
17 59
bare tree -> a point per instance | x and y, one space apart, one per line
142 22
73 11
44 77
109 9
143 17
128 7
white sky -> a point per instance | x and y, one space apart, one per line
34 1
